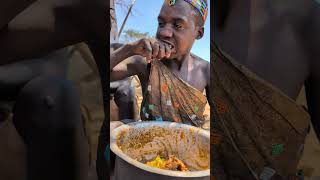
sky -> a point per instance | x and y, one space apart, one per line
144 19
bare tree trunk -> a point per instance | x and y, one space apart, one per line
114 27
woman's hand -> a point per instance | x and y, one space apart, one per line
151 48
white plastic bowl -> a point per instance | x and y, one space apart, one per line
127 168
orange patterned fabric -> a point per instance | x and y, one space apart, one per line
169 98
266 126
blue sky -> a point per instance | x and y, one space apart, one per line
144 19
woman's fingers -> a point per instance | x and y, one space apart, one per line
155 49
147 49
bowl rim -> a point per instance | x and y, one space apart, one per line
115 149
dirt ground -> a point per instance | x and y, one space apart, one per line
84 74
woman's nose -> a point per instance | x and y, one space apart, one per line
165 32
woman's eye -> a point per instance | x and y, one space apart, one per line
161 24
178 26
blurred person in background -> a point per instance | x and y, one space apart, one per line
264 53
46 110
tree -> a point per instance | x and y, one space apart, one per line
130 35
114 27
125 5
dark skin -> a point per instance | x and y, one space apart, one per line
35 28
25 34
177 31
123 94
280 42
32 29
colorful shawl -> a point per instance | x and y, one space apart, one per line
259 131
169 98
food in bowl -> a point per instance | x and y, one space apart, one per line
172 163
166 146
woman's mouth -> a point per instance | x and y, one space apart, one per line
171 46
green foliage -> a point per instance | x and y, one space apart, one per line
131 35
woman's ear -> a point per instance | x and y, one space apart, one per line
200 33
